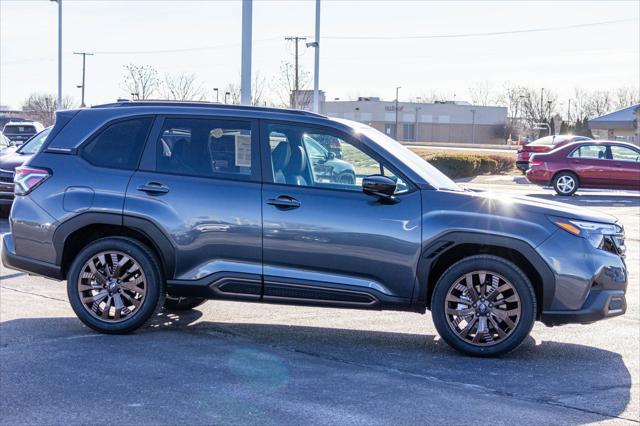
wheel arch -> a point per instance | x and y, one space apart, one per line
454 246
71 236
553 178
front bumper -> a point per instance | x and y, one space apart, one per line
590 283
32 266
6 188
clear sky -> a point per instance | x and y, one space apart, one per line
592 57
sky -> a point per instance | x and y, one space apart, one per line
367 47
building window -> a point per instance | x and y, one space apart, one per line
390 129
408 132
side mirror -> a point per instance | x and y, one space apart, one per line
379 186
331 155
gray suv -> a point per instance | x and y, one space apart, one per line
143 204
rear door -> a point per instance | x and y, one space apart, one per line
199 184
325 241
625 171
590 162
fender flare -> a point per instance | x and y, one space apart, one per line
161 243
434 249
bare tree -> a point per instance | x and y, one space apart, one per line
42 107
140 81
481 93
285 85
626 96
258 91
183 87
536 106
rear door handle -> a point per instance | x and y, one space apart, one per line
284 202
154 188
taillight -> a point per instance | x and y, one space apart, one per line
27 178
536 163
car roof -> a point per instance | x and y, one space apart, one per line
602 142
22 123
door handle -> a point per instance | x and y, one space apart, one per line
153 188
284 202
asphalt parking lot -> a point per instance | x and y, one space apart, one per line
239 363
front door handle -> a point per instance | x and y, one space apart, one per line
284 202
153 188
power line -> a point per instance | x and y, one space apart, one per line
481 34
184 49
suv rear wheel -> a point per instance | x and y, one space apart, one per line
115 285
483 306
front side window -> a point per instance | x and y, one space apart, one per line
120 145
622 153
593 152
308 157
205 147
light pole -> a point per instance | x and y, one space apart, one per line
245 78
226 94
59 99
542 103
215 89
316 63
395 130
84 57
415 126
473 126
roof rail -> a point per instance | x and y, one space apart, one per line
203 104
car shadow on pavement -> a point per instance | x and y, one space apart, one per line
593 201
571 375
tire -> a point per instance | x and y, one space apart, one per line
182 303
491 342
141 274
565 183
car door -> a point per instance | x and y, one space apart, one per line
590 162
625 163
199 185
324 240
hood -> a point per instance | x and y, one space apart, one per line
10 161
531 204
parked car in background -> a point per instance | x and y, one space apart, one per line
326 167
11 160
5 143
590 164
4 120
232 209
544 144
21 131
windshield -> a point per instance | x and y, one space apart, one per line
34 144
426 171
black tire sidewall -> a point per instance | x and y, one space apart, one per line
555 183
500 266
153 275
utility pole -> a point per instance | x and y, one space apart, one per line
395 130
541 104
295 39
473 127
59 99
84 57
245 78
569 113
316 63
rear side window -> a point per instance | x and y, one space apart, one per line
597 152
205 147
120 145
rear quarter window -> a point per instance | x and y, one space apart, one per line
119 145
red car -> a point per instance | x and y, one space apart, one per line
544 144
590 164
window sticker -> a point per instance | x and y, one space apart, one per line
243 150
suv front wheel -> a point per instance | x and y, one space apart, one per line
115 285
483 306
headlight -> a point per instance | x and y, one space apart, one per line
605 236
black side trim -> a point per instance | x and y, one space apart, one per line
599 305
221 285
308 294
432 252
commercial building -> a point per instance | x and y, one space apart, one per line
447 121
619 125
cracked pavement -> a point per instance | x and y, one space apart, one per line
241 363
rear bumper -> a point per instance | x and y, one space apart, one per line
539 176
32 266
599 305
